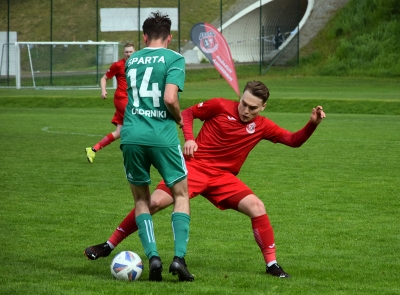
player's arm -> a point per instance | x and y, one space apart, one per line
203 111
172 103
103 83
111 72
296 139
190 146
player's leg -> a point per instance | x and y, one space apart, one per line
108 139
137 163
117 132
160 199
229 192
253 207
145 226
180 225
117 120
105 141
171 165
263 232
247 203
180 217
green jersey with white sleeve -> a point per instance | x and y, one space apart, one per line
147 120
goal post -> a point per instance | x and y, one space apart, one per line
58 65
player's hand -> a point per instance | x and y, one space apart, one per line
180 123
190 148
104 95
317 115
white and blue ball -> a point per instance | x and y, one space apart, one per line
126 265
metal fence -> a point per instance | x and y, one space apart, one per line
252 33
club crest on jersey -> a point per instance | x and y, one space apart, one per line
251 128
207 42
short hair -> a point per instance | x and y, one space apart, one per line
258 89
157 26
129 45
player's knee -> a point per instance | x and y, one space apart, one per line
159 201
155 206
258 207
255 207
252 206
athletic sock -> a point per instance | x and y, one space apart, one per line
180 229
146 234
126 228
264 236
109 138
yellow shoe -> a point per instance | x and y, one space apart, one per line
90 154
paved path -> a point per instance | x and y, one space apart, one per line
322 12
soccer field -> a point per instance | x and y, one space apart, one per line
334 202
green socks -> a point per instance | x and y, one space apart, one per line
146 234
180 228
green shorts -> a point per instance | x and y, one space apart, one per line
168 161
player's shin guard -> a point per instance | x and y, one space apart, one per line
146 234
180 228
127 227
264 236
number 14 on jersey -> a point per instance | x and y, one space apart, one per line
144 92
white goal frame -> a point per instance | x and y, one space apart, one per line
18 57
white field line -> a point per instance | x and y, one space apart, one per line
47 129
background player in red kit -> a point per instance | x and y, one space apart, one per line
117 70
229 132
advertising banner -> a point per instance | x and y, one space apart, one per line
214 46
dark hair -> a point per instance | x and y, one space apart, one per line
258 89
129 45
157 26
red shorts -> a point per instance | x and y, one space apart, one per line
223 189
120 105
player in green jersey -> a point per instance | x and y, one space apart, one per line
149 136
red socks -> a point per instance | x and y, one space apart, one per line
264 235
109 138
127 227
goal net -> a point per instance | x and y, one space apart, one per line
61 65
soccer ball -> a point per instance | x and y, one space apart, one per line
126 265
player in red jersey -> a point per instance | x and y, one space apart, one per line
117 70
229 132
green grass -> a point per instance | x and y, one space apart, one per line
333 202
361 40
288 93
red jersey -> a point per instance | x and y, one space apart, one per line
224 141
117 69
